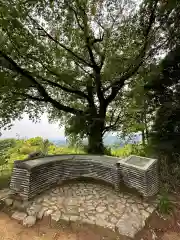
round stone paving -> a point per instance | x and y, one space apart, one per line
93 204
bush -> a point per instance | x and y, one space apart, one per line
169 173
165 206
37 141
44 147
6 144
107 151
26 150
3 160
131 149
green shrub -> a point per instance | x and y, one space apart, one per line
37 141
131 149
3 160
44 147
107 151
165 206
6 144
26 150
17 156
169 174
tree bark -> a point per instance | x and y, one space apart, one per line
95 138
143 138
146 127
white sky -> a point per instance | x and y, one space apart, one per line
27 129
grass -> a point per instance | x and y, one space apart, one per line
5 175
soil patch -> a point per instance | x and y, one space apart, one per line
163 227
48 230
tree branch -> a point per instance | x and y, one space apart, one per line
40 88
112 126
69 90
60 44
79 65
95 66
118 84
29 97
76 16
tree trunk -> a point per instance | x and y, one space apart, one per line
143 137
95 139
146 129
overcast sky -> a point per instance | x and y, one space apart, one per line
27 129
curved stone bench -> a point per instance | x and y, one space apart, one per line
31 177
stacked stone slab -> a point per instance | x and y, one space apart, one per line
144 178
31 177
29 180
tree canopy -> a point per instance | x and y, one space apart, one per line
73 59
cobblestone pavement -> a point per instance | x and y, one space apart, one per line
92 204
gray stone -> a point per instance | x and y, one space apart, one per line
53 199
17 204
89 197
8 201
100 209
145 214
150 209
46 198
5 193
29 221
45 204
101 222
59 182
90 208
129 224
113 220
92 218
34 155
48 212
56 190
25 204
88 221
40 214
60 200
33 210
54 208
74 218
39 200
72 210
80 209
56 216
19 216
65 217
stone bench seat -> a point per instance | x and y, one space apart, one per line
31 177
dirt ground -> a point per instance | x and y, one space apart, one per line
157 227
46 230
163 227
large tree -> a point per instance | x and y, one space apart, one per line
72 59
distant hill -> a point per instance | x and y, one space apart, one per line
109 140
112 140
59 142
